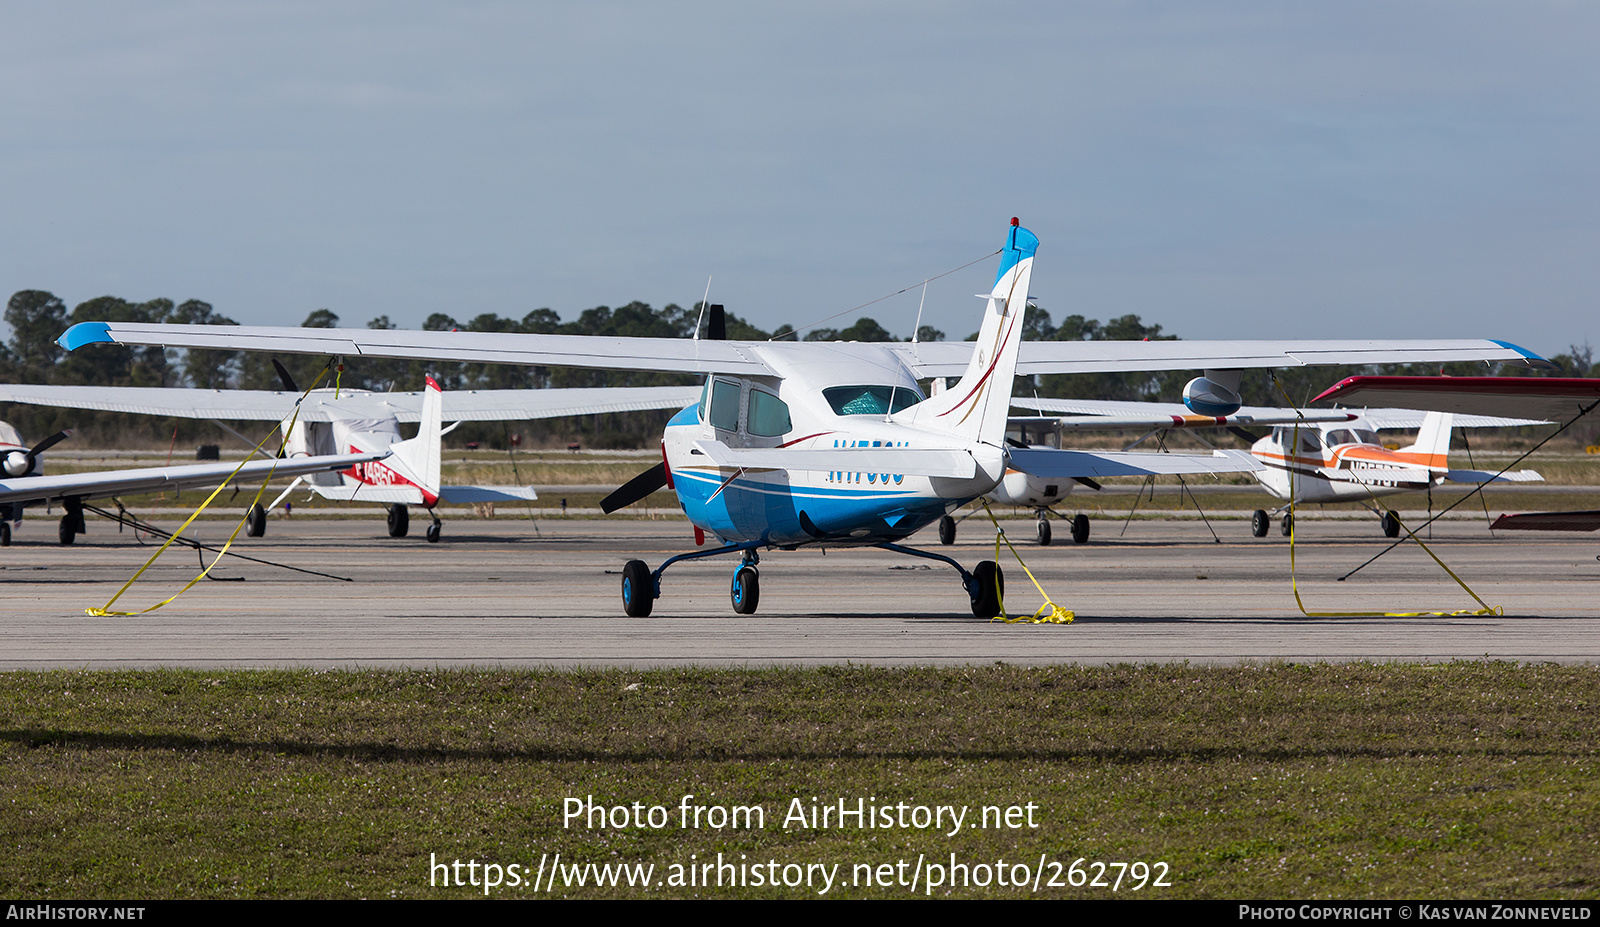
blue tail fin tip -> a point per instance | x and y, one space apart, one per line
1020 245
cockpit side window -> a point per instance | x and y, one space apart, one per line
725 405
769 415
870 400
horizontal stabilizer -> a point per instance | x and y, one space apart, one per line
468 495
1485 476
1052 464
910 461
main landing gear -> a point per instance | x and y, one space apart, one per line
641 586
1080 529
72 522
255 521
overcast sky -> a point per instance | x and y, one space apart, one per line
1228 170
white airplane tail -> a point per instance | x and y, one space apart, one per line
417 460
1432 449
976 408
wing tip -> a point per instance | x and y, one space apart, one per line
86 333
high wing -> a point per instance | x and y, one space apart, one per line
1554 398
1108 414
740 357
325 405
153 479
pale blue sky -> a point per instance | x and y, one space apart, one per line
1229 170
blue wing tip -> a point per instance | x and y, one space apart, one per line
85 333
1533 359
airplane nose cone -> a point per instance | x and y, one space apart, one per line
16 464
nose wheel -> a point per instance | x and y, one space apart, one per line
746 590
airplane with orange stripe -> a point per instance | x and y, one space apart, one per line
1345 462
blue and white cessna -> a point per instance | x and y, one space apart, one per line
827 444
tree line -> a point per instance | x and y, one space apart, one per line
38 317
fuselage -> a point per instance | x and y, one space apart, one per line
818 400
1341 463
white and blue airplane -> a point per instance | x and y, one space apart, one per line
808 444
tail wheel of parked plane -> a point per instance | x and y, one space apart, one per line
1044 532
255 521
947 531
433 533
991 582
67 532
1287 526
746 590
638 589
1391 525
1259 523
399 521
1080 528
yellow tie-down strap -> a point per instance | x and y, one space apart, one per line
105 610
1049 612
1294 584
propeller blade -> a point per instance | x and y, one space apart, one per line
716 323
50 442
1240 432
284 377
1087 482
635 489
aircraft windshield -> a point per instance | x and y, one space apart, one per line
870 400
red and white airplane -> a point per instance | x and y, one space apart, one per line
358 421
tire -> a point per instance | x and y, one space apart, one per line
1043 532
255 521
991 588
746 590
399 521
638 589
947 531
1391 525
1080 529
5 534
66 532
1259 523
1287 526
433 533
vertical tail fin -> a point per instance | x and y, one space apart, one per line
1433 441
976 408
418 459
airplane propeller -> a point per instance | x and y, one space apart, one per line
635 489
20 463
284 377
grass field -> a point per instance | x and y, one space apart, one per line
1279 781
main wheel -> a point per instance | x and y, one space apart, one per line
1287 526
638 589
947 531
433 533
66 532
399 521
1043 531
5 534
255 521
1259 523
991 588
1391 525
1080 528
746 590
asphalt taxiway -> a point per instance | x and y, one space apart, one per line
496 593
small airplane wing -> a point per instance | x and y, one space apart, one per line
1109 414
907 461
466 495
1054 464
156 479
1549 521
1552 398
321 405
682 355
1386 419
